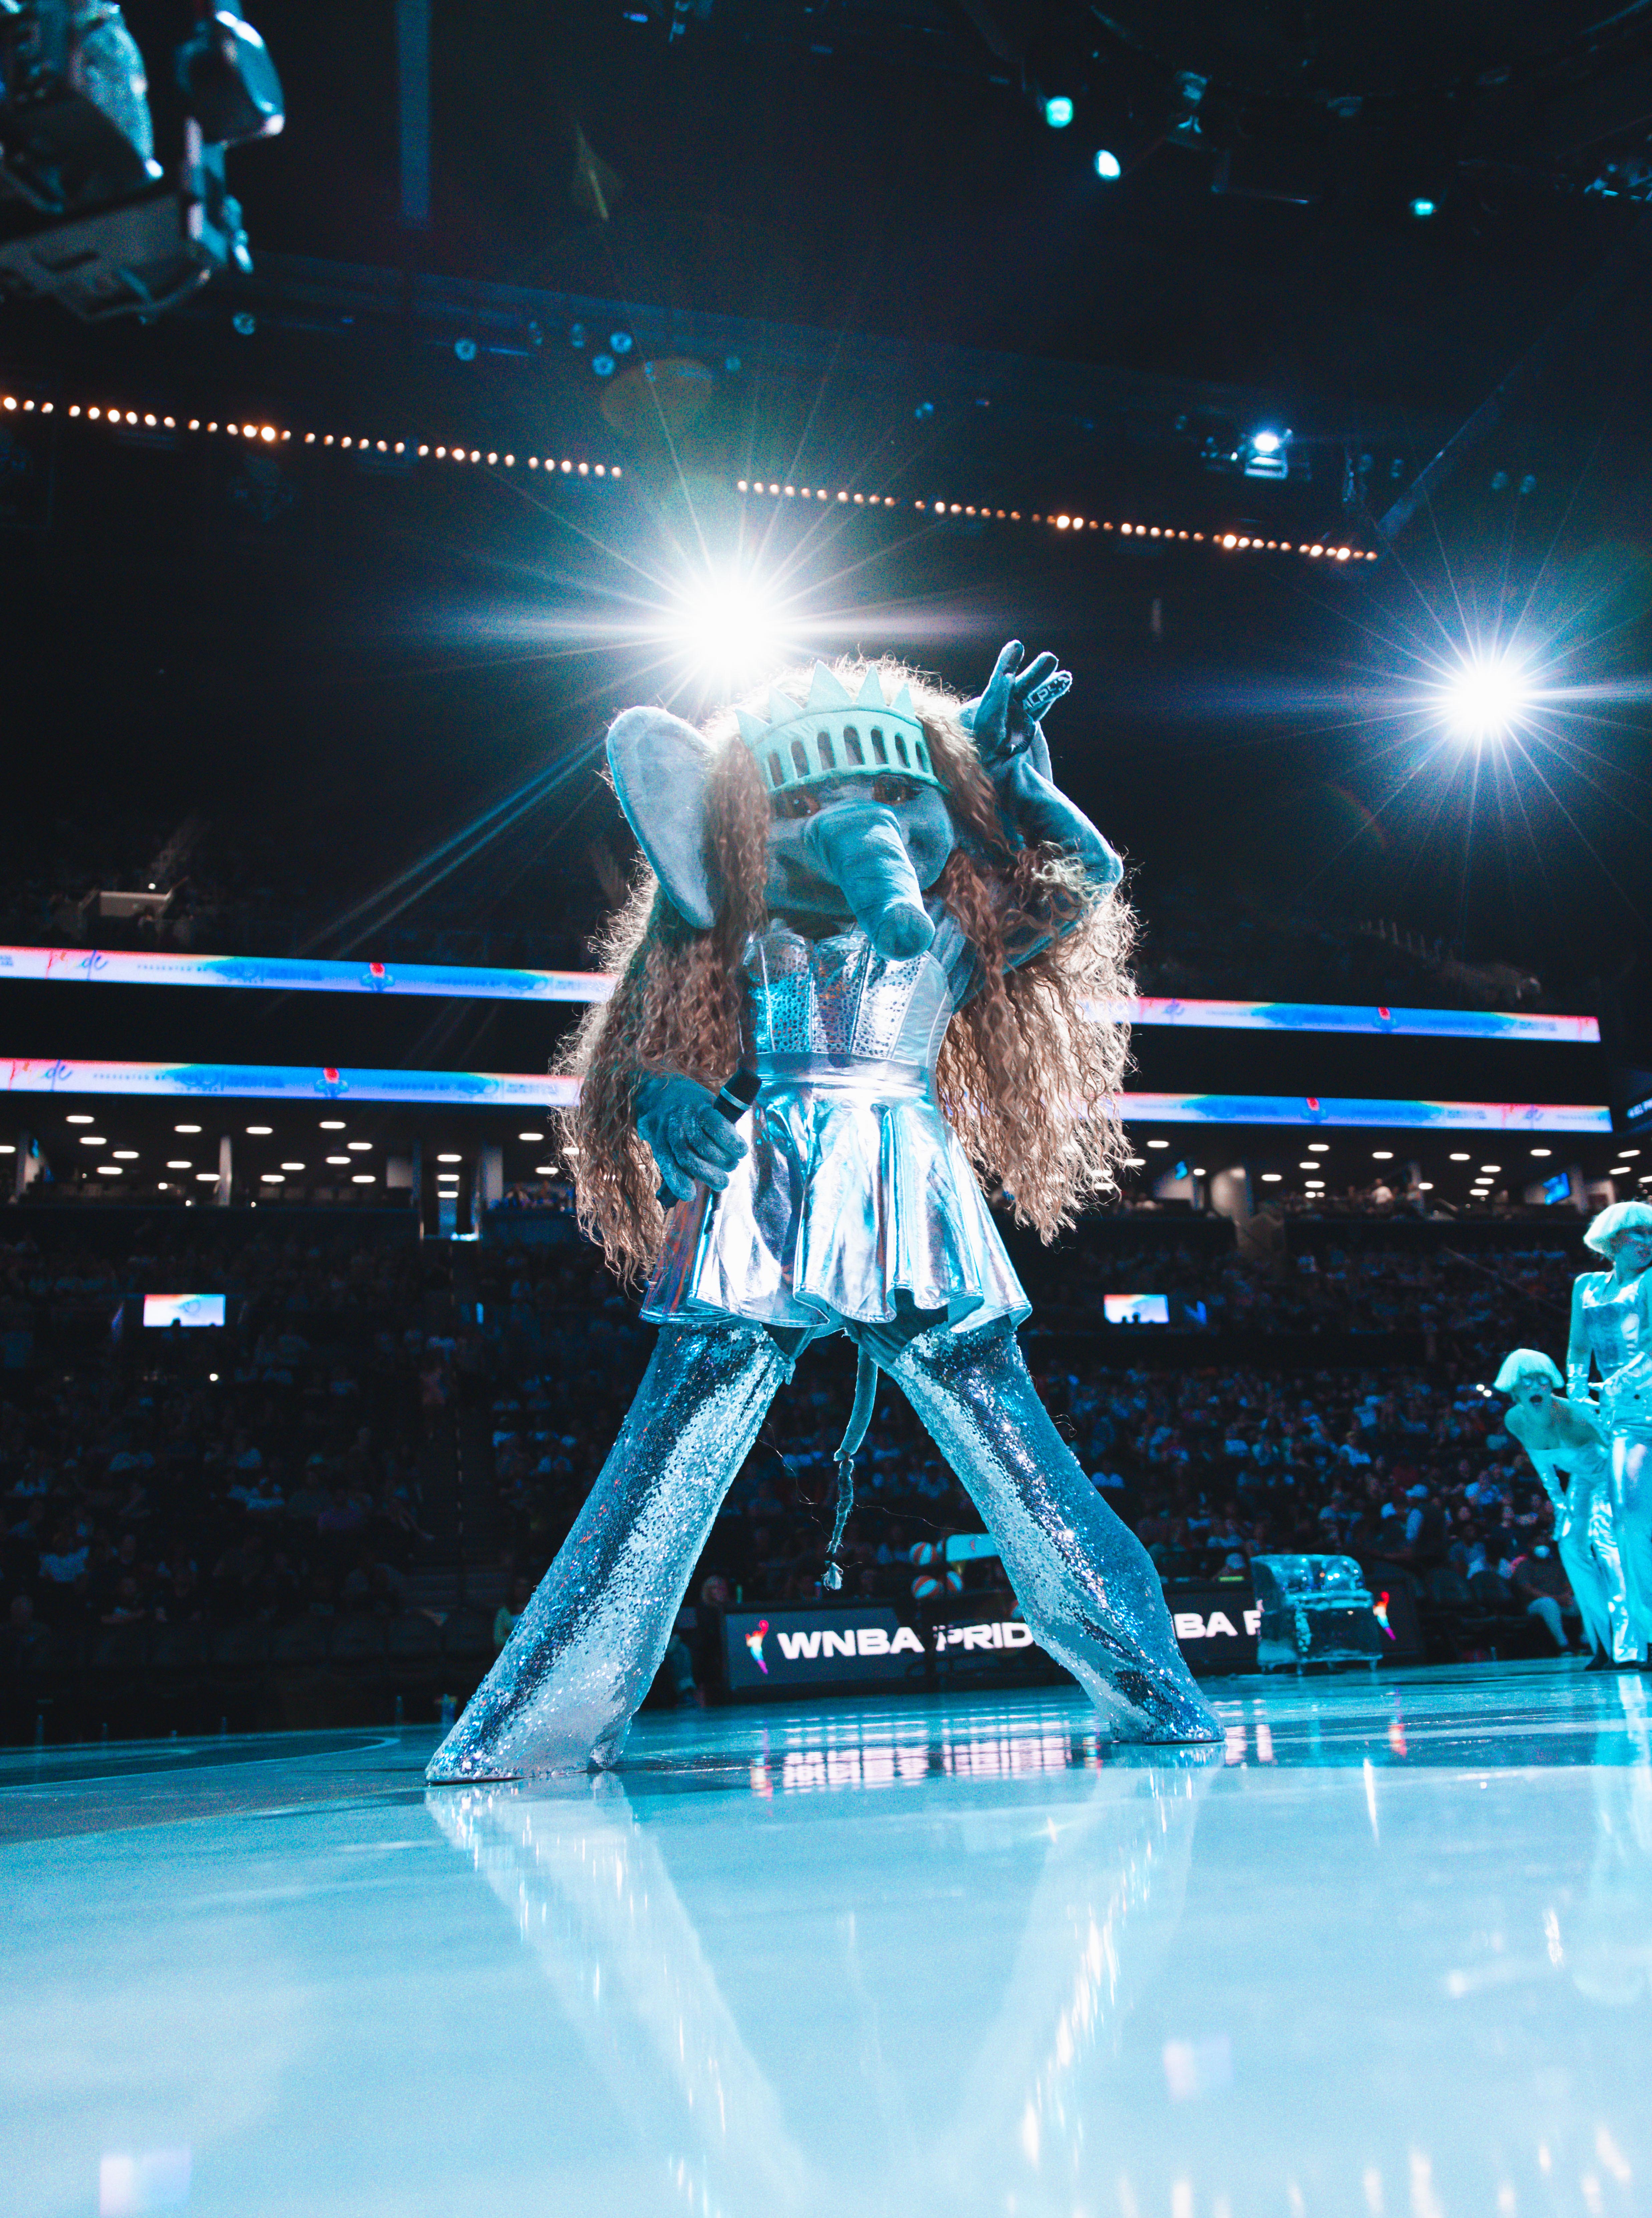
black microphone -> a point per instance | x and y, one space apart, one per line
735 1099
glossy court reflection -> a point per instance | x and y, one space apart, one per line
1387 1949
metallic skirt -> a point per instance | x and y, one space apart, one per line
853 1190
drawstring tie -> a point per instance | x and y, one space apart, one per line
860 1417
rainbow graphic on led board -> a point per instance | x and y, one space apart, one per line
486 1089
301 974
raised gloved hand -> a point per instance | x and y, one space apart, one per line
1006 721
688 1135
1006 724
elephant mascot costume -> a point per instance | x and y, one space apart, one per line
872 901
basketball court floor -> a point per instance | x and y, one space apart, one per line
1389 1951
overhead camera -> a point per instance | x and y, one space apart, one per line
88 216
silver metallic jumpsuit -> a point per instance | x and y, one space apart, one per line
854 1209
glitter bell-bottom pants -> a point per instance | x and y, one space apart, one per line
586 1649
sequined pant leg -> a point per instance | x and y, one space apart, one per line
1631 1505
1585 1538
584 1652
1086 1584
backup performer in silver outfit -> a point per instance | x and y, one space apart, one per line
1611 1329
885 910
1559 1435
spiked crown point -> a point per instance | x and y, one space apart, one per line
825 692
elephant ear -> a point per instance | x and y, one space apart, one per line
660 766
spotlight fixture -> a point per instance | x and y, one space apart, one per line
1108 168
1265 455
1058 112
1422 209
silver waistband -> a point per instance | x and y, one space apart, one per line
847 1073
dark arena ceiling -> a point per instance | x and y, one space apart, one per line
853 248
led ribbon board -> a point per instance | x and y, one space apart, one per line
1356 1016
275 1081
1393 1116
483 1089
297 975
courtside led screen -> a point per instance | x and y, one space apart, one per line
1137 1308
165 1309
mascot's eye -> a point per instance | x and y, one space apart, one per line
889 791
796 804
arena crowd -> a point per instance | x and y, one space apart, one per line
298 1465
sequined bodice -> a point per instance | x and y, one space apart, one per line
839 998
1611 1318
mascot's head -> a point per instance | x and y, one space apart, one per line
861 800
851 793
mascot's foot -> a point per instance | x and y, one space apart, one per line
1142 1710
474 1759
1141 1699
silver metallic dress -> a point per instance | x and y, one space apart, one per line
853 1210
854 1190
1615 1323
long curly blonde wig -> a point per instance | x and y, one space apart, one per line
1030 1066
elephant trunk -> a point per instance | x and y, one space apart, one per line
859 847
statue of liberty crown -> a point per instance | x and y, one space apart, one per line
832 736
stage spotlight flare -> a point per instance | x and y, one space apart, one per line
1108 164
1486 697
729 626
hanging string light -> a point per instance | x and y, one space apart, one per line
271 435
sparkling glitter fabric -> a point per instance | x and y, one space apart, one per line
1585 1538
853 1190
586 1649
1086 1584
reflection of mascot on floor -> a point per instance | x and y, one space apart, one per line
884 911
